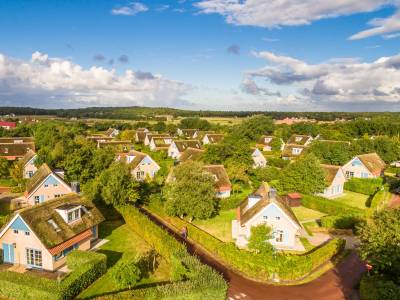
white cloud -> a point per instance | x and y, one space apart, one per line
286 12
45 81
336 81
130 10
389 28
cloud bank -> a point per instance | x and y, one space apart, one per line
56 82
271 14
130 10
340 81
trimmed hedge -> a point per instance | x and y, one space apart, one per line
367 186
329 206
340 221
86 267
259 266
376 287
200 281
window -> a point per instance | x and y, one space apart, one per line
56 184
349 174
30 174
34 258
15 231
54 225
5 150
27 233
46 185
279 236
37 199
364 175
76 214
265 217
298 138
73 215
57 195
277 217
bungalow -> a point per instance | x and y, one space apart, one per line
8 125
122 145
28 164
45 185
364 166
258 159
299 139
141 164
212 138
335 179
160 143
191 154
150 136
291 151
96 138
265 207
112 132
41 236
199 135
140 135
223 185
188 133
176 148
15 148
266 141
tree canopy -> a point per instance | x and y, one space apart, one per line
259 239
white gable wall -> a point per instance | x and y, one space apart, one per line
355 168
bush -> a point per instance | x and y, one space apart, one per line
367 186
378 288
277 162
86 268
340 221
329 207
126 273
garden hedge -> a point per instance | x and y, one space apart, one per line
367 186
259 266
340 221
329 207
85 267
200 281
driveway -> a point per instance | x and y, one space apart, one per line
335 284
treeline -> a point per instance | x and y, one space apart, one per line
142 113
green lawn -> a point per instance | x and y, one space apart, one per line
304 214
353 199
122 241
220 226
6 182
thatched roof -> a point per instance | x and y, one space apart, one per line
288 149
302 139
330 172
27 157
215 138
222 179
182 145
191 154
160 142
38 177
11 148
37 219
265 199
140 135
264 140
373 162
16 140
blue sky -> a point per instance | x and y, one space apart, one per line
200 54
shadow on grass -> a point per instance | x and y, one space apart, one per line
112 257
123 290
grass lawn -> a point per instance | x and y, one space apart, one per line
304 214
220 226
6 182
353 199
122 241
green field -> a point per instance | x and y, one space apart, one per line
220 226
353 199
122 241
305 214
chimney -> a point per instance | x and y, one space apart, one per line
76 187
272 193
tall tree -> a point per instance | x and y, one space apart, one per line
191 192
259 239
4 168
304 175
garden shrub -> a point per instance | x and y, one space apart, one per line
340 221
377 287
126 273
277 162
367 186
329 206
85 267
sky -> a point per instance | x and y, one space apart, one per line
286 55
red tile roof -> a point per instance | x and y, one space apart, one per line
8 124
76 239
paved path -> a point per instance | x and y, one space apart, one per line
335 284
395 201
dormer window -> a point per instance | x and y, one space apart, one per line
296 150
70 212
267 140
73 215
298 138
18 141
5 150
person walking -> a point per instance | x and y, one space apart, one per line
184 232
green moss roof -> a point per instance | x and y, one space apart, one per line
37 216
37 178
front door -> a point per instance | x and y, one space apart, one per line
8 253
